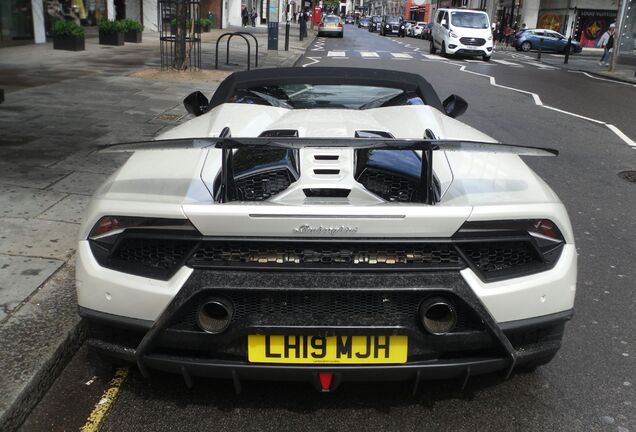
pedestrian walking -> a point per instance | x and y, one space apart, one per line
508 34
253 17
244 16
604 42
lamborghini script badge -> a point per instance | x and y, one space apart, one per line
331 230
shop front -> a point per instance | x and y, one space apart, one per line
591 24
16 22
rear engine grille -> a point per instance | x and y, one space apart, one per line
150 257
472 41
324 255
389 186
324 308
262 186
494 258
160 258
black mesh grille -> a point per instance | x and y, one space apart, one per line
262 186
472 41
324 254
324 308
494 257
389 186
150 257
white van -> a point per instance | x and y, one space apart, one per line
462 31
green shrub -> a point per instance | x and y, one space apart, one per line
131 25
204 22
67 28
106 26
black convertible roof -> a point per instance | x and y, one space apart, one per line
326 76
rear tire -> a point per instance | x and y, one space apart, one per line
433 50
442 50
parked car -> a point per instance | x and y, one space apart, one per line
408 28
285 234
349 19
363 22
392 25
426 31
462 31
530 39
375 23
330 25
417 29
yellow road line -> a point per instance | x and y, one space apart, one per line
94 421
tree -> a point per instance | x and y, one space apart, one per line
184 30
331 5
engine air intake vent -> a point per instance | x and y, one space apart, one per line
327 193
262 186
389 186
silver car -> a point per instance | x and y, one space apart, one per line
330 25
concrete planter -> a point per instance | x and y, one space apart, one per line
111 38
68 43
133 36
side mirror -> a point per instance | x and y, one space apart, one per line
455 106
444 23
196 103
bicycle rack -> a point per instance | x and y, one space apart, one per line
227 58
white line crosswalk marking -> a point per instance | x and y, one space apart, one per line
506 62
402 55
336 54
473 61
433 57
369 54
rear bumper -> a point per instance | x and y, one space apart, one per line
487 348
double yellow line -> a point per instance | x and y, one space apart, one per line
95 419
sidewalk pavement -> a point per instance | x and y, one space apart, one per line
59 106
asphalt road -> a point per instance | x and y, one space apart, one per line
591 383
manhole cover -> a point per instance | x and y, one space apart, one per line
630 176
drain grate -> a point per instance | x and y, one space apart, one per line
629 176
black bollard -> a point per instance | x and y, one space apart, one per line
287 36
567 50
540 48
301 24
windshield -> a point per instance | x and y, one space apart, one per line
393 19
469 20
302 96
376 19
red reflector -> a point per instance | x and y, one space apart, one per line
325 380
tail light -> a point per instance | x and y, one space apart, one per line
114 224
340 25
321 24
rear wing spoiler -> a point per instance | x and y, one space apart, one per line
228 144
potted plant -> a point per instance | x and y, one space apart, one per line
132 30
67 35
111 33
203 25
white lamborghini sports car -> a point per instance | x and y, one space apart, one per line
327 225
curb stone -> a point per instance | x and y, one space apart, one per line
38 341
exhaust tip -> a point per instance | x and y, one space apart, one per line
438 316
214 316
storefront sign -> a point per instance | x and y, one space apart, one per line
592 24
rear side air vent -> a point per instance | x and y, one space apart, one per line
327 171
393 175
327 192
258 175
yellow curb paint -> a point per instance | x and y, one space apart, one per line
94 421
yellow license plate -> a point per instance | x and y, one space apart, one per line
327 350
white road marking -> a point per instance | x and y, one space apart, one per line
540 65
603 79
314 61
473 61
368 54
506 62
433 57
416 49
537 101
336 54
402 55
